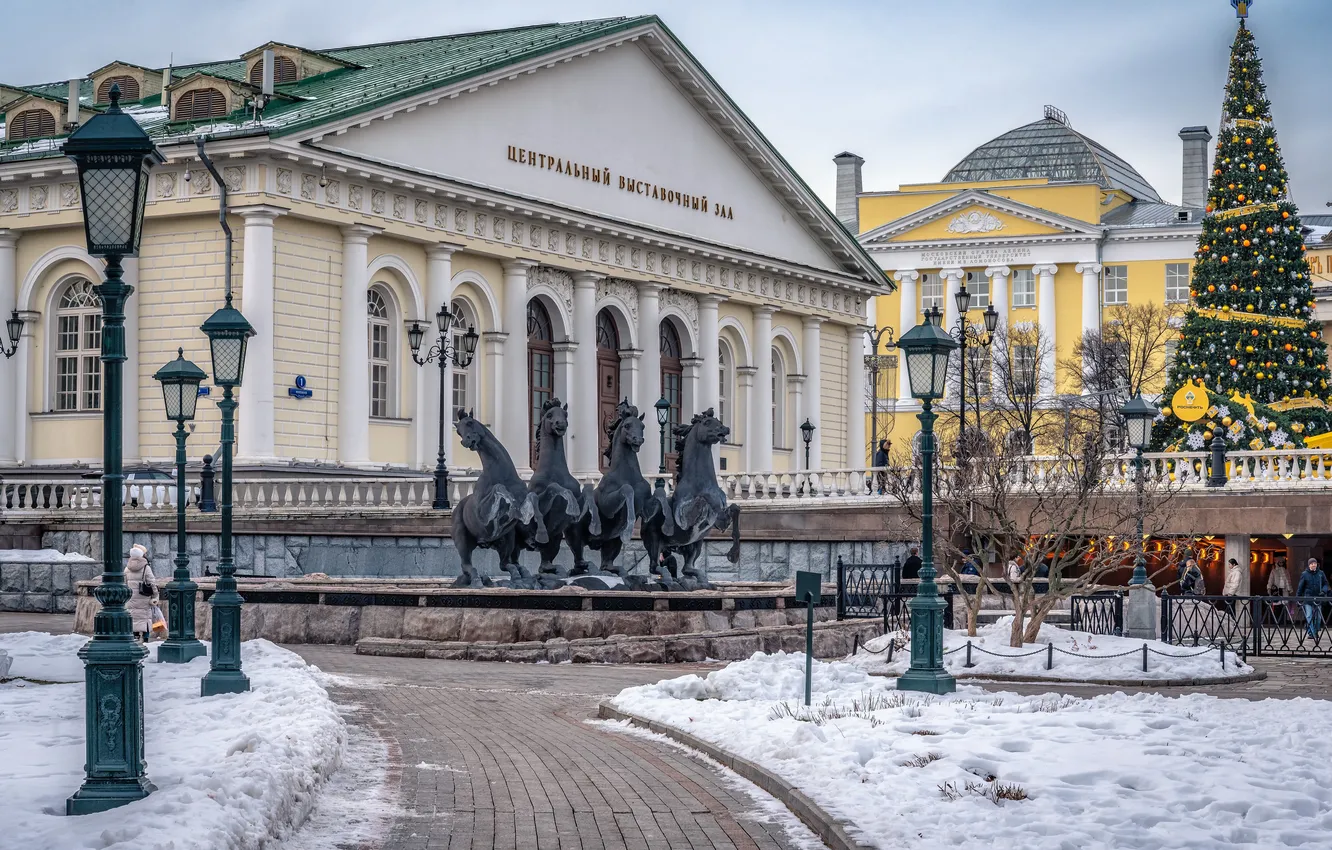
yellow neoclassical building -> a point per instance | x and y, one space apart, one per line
1044 223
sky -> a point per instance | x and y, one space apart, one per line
910 86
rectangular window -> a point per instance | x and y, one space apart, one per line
92 332
1114 285
978 284
379 369
1024 288
67 382
1177 283
460 379
1171 347
1024 370
67 333
92 383
931 291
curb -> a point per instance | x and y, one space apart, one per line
1008 678
830 830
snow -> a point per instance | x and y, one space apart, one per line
231 771
1115 771
42 556
1164 661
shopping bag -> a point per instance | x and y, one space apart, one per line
159 626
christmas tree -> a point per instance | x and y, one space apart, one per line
1249 335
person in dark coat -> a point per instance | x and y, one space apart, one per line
1190 579
881 467
1313 583
911 567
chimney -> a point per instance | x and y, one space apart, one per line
848 189
1195 165
72 110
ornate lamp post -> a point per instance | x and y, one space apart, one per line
663 408
113 156
966 336
180 381
1139 415
877 362
227 332
807 434
443 351
14 326
926 349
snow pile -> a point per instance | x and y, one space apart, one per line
763 677
1164 661
231 771
975 769
42 556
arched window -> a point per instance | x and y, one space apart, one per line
779 401
725 386
199 104
381 352
78 345
540 366
672 382
608 378
129 89
31 124
284 71
463 379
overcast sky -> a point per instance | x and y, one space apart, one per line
910 86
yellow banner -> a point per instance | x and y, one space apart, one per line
1190 402
1233 315
1297 404
1246 210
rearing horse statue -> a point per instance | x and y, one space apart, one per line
623 496
491 515
698 505
561 505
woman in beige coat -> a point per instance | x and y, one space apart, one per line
140 607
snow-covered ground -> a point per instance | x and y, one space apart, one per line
1112 658
1117 771
42 556
231 771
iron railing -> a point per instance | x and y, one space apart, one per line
1098 614
895 608
1251 625
861 588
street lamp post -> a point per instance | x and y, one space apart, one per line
926 349
663 408
807 434
1139 415
443 351
227 332
14 326
878 337
180 381
113 156
966 336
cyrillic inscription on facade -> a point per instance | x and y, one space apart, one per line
598 174
974 257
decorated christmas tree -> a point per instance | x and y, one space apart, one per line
1249 336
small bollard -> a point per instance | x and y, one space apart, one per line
1223 656
968 664
1144 658
207 501
1049 656
891 644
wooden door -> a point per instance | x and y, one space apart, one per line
608 380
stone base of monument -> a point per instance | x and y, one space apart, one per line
528 624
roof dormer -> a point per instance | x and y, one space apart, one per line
35 116
204 97
290 64
9 94
136 82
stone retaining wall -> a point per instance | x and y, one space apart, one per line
42 587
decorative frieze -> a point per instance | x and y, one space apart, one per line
333 193
234 178
37 198
308 184
624 291
69 195
354 197
8 200
557 280
377 200
685 303
400 207
284 181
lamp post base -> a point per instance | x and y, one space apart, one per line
223 682
181 645
936 681
180 651
927 672
100 795
225 676
113 685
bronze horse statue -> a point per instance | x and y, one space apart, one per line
698 506
623 497
496 511
564 510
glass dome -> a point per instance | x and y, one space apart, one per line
1050 148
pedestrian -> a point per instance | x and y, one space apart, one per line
1190 579
1232 584
1312 587
911 568
143 589
881 466
1278 585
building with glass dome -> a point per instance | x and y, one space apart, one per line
1044 223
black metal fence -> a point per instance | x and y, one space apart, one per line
896 611
861 588
1251 625
1098 614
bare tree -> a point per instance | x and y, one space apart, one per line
1015 409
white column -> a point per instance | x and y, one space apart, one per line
631 376
649 372
744 406
8 384
856 455
492 349
952 283
566 353
583 410
690 370
21 360
813 390
760 422
513 413
255 442
1091 295
354 350
795 392
1045 318
907 310
998 276
709 350
439 293
129 446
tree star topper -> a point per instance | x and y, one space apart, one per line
1241 7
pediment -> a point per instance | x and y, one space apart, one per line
971 216
611 133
